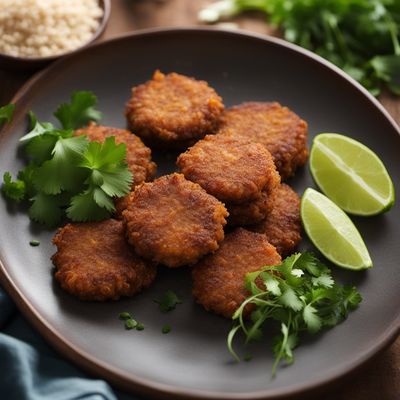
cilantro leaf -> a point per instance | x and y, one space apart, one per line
84 208
271 284
290 299
46 209
108 176
79 111
323 280
351 299
118 181
103 200
37 128
60 173
26 176
6 113
311 318
109 170
40 148
168 301
387 68
14 190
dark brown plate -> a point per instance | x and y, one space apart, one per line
192 361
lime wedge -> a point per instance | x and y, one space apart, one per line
351 175
333 232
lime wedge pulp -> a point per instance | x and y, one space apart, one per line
333 232
351 175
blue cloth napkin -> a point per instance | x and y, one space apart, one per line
31 370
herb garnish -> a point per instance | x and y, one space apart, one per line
79 112
34 243
359 36
139 326
124 315
168 301
6 113
69 175
166 329
247 357
129 322
301 294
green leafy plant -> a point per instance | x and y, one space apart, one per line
67 174
359 36
300 294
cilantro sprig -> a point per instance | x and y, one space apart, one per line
359 36
67 175
301 295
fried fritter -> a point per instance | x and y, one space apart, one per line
173 221
218 279
138 156
251 212
282 227
94 262
280 130
233 170
121 204
173 108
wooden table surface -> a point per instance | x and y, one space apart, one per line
380 379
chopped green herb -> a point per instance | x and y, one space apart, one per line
166 329
124 315
6 113
301 295
14 190
359 36
34 243
67 175
139 326
130 323
168 301
247 357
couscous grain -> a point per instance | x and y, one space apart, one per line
43 28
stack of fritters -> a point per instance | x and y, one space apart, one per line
280 130
238 172
232 171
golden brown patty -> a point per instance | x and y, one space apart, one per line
121 204
173 108
251 212
282 227
218 279
280 130
232 170
94 262
138 156
173 221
